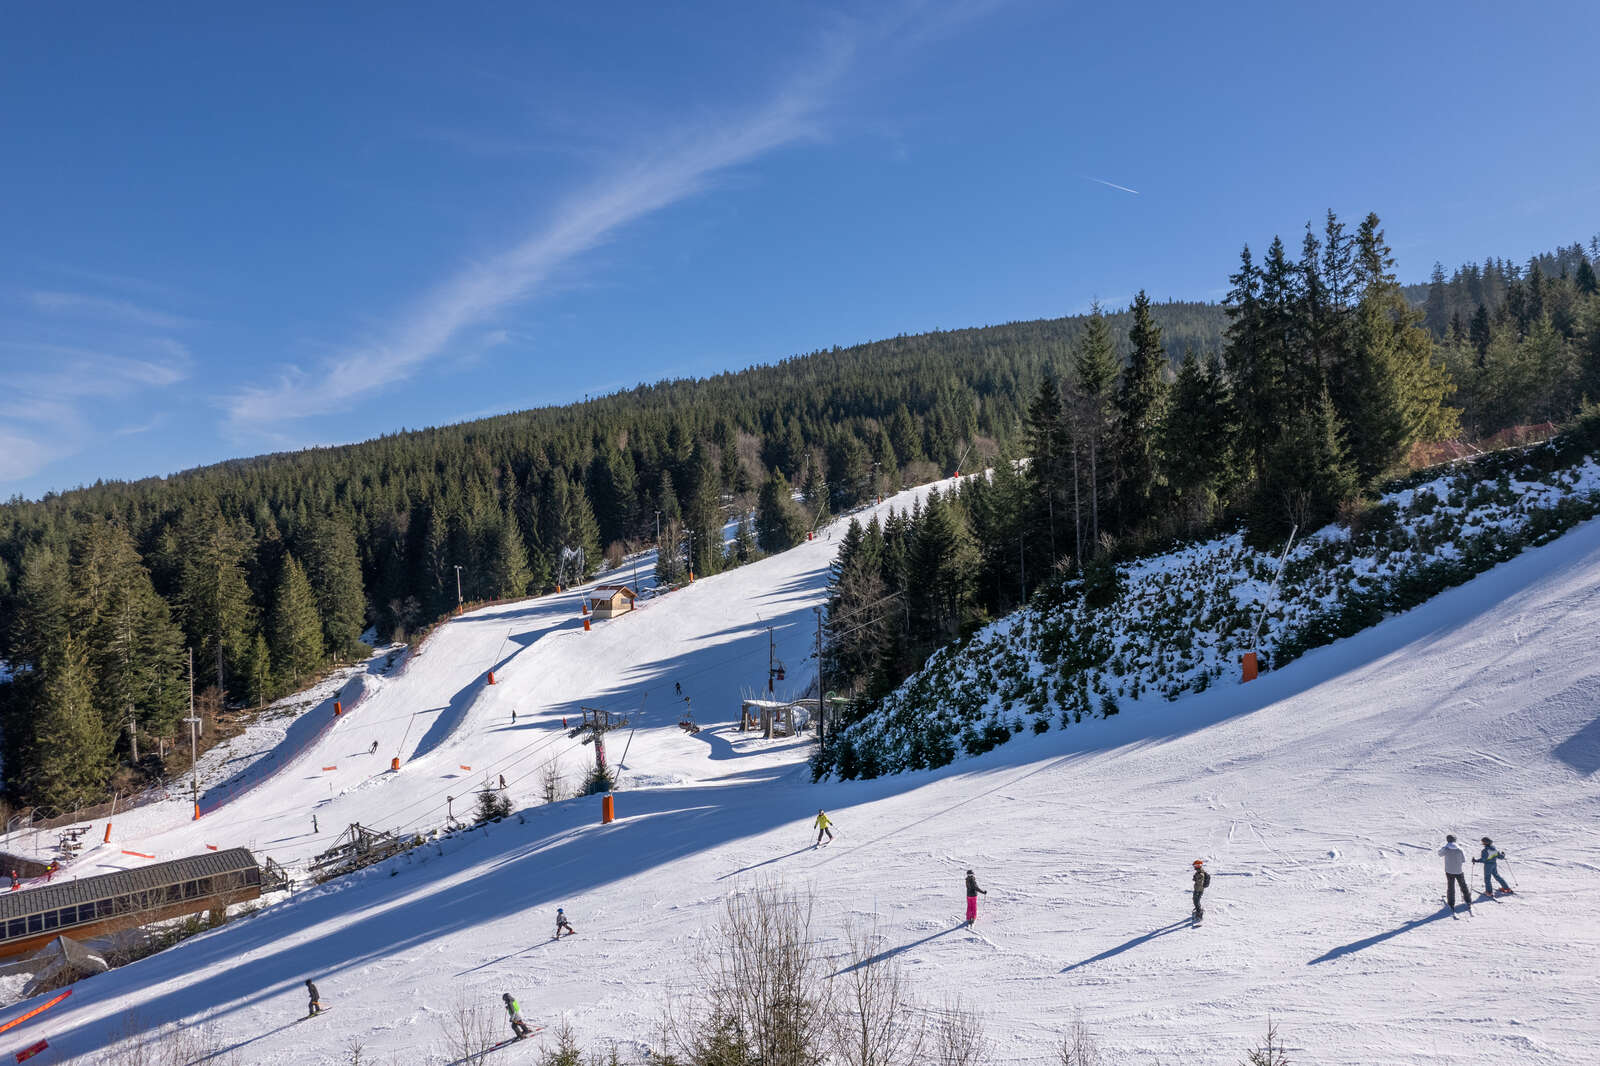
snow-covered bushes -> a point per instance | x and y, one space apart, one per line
1179 622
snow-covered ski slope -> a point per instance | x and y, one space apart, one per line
1318 794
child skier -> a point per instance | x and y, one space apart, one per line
1489 857
514 1010
1455 865
315 1007
1202 881
972 898
562 923
823 825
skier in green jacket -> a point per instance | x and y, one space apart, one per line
514 1010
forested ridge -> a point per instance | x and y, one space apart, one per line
1330 375
272 567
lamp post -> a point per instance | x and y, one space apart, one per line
194 742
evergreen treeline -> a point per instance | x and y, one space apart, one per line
1327 377
269 568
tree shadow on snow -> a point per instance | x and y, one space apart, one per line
892 952
1135 942
765 862
1361 945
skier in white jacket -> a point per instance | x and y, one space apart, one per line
1455 866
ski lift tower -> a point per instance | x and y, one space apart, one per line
571 560
596 724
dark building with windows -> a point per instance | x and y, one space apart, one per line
107 903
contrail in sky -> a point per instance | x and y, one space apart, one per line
1111 184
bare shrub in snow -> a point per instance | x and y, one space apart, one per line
957 1037
764 994
552 782
468 1031
876 1023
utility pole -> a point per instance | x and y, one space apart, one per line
133 734
460 603
688 552
822 693
194 741
771 658
1022 564
658 531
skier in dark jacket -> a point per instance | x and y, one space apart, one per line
1489 856
316 1001
514 1010
972 898
1202 881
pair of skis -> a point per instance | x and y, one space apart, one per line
534 1031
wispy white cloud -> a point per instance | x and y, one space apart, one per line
99 307
56 395
24 454
1110 184
650 183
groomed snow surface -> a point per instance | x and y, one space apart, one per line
1318 794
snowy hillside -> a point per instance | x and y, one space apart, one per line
1181 621
1317 793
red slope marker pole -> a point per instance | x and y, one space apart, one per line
13 1023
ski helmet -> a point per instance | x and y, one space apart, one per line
558 910
969 873
1449 838
1486 840
1199 862
506 997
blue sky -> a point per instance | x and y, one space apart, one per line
225 233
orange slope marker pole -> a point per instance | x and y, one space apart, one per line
138 854
13 1023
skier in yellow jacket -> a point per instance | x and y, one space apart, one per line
823 826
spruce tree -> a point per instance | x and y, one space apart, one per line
258 683
213 596
508 571
134 650
704 514
1095 369
334 571
1197 442
1140 412
296 627
779 524
69 744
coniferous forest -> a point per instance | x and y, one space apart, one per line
1329 375
1312 381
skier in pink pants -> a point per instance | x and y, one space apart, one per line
972 898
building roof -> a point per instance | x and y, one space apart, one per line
104 886
624 589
